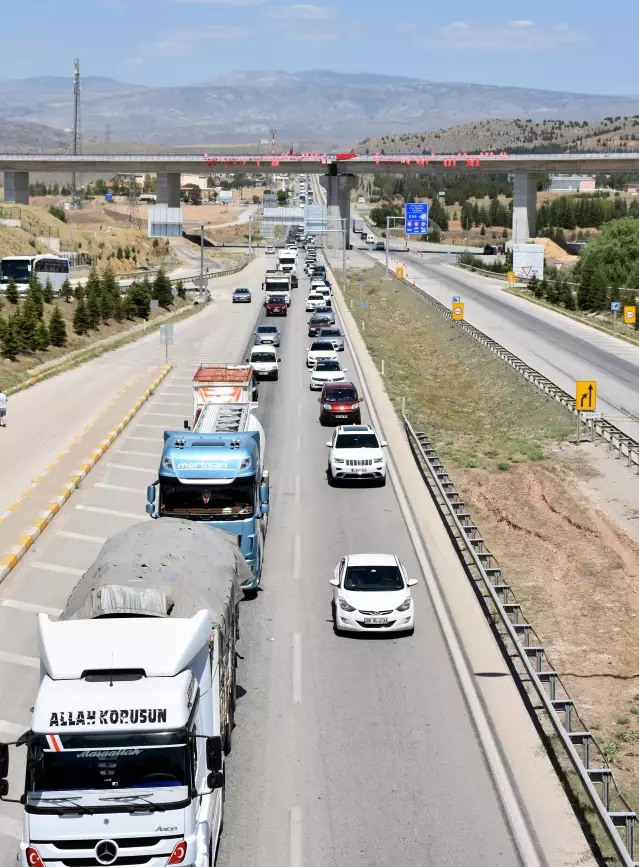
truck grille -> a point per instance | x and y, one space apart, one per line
126 861
366 462
123 842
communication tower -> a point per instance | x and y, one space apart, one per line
76 180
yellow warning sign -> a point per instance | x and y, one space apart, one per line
586 397
458 311
630 315
399 272
511 278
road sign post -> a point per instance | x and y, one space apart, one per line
416 218
585 401
629 315
166 338
615 306
399 272
511 278
457 311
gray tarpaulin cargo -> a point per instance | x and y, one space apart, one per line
162 568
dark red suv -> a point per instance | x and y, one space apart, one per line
340 404
276 306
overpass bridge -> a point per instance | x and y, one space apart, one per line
340 171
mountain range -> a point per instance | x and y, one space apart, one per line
328 108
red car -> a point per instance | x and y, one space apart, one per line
340 404
276 306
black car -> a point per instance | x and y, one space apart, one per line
242 296
294 281
318 271
379 246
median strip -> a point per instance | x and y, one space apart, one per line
13 557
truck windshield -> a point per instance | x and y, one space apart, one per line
110 761
277 285
208 502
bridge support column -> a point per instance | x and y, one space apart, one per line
16 187
524 207
338 199
168 189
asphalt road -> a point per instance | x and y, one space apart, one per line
558 347
347 751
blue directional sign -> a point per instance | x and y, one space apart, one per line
456 299
416 218
615 306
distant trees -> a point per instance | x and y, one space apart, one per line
58 212
585 211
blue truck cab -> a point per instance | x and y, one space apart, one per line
217 478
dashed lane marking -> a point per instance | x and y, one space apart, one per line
30 606
19 659
132 515
55 567
81 537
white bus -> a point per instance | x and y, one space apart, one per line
23 268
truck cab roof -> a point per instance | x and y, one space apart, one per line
237 374
210 457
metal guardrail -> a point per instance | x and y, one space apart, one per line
530 660
211 275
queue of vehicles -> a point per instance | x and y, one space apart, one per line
134 714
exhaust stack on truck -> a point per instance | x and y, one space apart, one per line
134 711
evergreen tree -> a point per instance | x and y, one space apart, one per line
66 292
181 290
533 285
41 338
11 344
80 292
162 289
57 328
111 306
138 299
542 288
47 292
80 318
34 295
27 324
94 300
129 309
566 296
12 292
552 295
482 230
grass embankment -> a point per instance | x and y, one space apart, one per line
574 571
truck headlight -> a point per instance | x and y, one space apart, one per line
167 463
343 604
326 406
405 604
246 463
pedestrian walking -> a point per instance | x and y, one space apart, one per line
3 409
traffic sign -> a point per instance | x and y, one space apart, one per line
458 311
456 299
511 278
559 265
615 306
166 335
416 218
526 270
630 315
399 272
363 305
586 397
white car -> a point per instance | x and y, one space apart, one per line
327 371
320 350
372 592
265 362
356 453
270 251
314 300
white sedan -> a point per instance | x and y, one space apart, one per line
372 592
270 251
327 371
320 350
315 300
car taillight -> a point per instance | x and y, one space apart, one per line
33 857
178 854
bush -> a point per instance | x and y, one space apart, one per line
58 212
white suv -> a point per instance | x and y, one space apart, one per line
356 453
265 362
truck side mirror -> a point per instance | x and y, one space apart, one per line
214 760
265 508
4 762
150 494
215 780
187 426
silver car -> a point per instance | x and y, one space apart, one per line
267 334
335 336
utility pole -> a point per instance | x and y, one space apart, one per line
273 134
76 200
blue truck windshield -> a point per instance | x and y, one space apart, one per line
208 502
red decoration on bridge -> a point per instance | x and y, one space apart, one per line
450 163
473 163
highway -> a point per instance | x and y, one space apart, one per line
558 347
347 751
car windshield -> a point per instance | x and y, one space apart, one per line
321 346
262 356
208 502
357 441
331 332
373 578
110 761
276 299
327 365
242 291
267 329
340 395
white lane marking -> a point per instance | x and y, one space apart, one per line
138 454
521 832
55 567
81 537
297 489
297 668
143 439
296 837
30 606
134 515
11 827
128 468
154 426
164 414
12 729
122 488
187 402
297 556
19 659
182 379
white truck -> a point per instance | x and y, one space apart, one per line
287 259
277 283
222 383
125 756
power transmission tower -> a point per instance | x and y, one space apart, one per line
76 196
273 134
133 216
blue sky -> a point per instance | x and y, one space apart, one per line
568 45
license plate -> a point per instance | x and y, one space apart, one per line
341 416
375 621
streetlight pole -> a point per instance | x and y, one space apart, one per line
201 259
388 222
250 223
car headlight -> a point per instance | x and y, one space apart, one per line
379 460
405 604
343 604
338 460
326 406
167 463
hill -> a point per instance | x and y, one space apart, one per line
331 107
611 133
